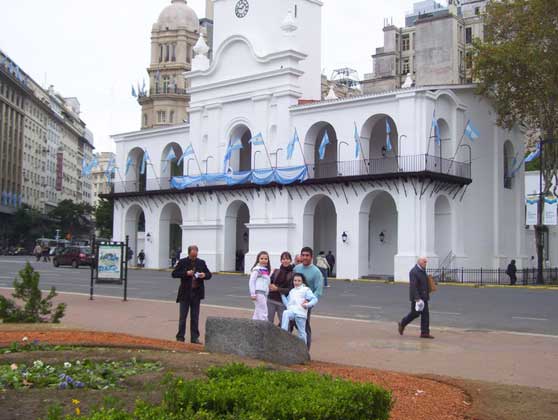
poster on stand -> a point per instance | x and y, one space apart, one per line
531 205
551 211
109 262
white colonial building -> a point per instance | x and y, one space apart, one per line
453 202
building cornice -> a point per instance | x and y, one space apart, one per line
149 133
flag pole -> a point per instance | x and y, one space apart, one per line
268 157
197 160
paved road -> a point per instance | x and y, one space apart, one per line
506 309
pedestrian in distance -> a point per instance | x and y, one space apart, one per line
323 265
141 257
315 282
193 273
511 271
331 261
281 284
259 285
46 253
419 295
298 303
37 251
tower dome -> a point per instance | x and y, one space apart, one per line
178 15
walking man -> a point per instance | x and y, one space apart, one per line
419 296
315 281
511 271
331 261
192 273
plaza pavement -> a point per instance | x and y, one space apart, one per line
505 357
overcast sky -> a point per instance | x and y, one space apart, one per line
96 49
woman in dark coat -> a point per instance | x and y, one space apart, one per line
281 284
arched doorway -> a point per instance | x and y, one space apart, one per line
241 160
170 233
443 233
135 180
169 164
326 167
237 236
382 154
378 235
320 225
135 230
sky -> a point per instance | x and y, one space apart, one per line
95 50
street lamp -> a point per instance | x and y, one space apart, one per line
276 153
188 166
255 155
206 161
399 143
344 237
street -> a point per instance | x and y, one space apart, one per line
496 309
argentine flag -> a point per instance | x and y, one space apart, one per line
357 142
291 145
235 144
325 142
187 152
471 132
144 162
257 140
388 140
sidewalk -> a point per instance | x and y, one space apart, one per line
521 359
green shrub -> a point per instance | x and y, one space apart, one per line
236 392
35 309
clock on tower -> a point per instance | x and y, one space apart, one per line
241 8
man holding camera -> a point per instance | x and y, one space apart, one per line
192 273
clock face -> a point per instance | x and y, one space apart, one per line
241 8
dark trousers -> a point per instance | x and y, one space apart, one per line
513 279
424 318
192 304
308 329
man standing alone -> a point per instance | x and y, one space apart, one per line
192 273
418 293
315 281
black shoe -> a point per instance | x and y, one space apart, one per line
400 328
180 339
196 341
427 336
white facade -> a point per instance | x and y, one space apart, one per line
377 215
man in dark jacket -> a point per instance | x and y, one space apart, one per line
192 273
418 292
511 271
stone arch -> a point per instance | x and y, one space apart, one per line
169 168
241 160
373 138
443 237
320 224
170 233
134 228
378 235
326 167
237 236
135 180
444 150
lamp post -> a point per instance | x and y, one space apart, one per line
188 166
255 155
276 153
399 144
206 162
339 156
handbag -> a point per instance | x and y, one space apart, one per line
432 287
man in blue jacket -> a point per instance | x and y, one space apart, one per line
418 292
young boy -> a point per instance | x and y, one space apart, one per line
298 302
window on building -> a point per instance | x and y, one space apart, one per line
406 67
508 165
173 52
160 53
469 60
166 83
477 11
171 117
145 120
167 52
413 40
161 116
468 35
406 42
188 54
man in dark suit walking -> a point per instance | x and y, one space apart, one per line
419 295
192 273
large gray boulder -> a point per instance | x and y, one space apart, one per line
255 339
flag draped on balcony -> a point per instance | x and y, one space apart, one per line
323 145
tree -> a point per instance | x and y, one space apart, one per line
104 217
73 219
516 66
29 224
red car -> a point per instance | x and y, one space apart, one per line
74 256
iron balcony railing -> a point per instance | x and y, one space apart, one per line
418 164
483 276
163 91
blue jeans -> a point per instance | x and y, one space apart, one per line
324 273
299 321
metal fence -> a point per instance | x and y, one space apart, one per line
482 276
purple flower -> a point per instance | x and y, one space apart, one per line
35 341
62 385
69 379
62 376
79 384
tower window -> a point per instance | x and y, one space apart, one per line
296 11
171 117
167 52
468 35
173 52
166 82
160 53
145 120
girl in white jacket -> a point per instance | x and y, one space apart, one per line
299 300
259 285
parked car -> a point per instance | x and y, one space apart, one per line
74 256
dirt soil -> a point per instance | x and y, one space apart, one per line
415 397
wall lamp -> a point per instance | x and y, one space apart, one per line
344 237
148 237
382 237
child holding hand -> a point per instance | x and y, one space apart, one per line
298 302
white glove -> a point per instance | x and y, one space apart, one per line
419 306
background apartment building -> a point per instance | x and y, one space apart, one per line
42 145
433 48
99 182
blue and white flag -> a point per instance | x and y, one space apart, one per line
325 142
134 94
534 154
170 157
291 145
110 169
145 160
187 152
357 142
235 144
129 163
436 128
84 166
94 163
257 140
388 140
471 132
143 88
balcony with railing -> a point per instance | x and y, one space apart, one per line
163 90
417 166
